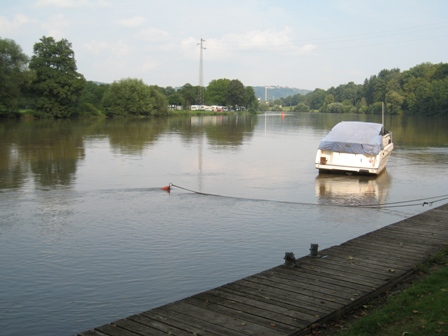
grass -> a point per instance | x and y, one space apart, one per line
421 309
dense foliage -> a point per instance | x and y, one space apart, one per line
13 64
56 85
131 97
51 87
421 90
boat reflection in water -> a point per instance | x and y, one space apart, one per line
338 189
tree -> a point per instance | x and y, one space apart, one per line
316 99
57 84
362 106
251 100
394 101
335 108
216 92
189 94
236 94
91 97
301 107
440 94
173 96
13 64
131 97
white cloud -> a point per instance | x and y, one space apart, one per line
117 50
96 47
154 35
307 48
56 25
256 42
149 65
133 22
11 25
71 3
121 49
190 48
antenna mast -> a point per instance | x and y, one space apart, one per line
201 74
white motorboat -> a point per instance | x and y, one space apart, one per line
355 147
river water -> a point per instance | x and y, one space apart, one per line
87 236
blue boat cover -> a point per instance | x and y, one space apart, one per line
354 137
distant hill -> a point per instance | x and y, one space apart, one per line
275 92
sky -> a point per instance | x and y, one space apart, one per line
305 44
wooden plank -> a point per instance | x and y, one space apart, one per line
182 321
232 323
324 279
217 305
92 333
302 312
289 291
361 264
138 328
354 304
259 302
241 303
160 325
361 256
359 250
418 224
348 269
423 233
114 330
330 290
396 239
382 250
341 276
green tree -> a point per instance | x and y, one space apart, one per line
329 99
189 94
131 97
57 84
90 102
236 94
335 108
251 100
440 94
173 96
394 102
216 92
301 107
13 64
441 71
362 106
316 99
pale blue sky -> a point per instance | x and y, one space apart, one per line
306 44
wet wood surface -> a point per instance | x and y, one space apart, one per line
287 300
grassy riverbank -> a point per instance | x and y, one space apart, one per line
415 308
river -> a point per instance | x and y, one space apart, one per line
87 236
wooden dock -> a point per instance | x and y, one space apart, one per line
287 300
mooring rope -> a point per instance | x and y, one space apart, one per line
408 203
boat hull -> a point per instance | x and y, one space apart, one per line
330 161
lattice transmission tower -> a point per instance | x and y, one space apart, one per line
201 74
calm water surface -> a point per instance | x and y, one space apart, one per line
88 237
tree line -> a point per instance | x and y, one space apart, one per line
49 85
421 90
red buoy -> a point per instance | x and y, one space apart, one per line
166 188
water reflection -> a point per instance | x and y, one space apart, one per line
49 151
133 136
340 189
